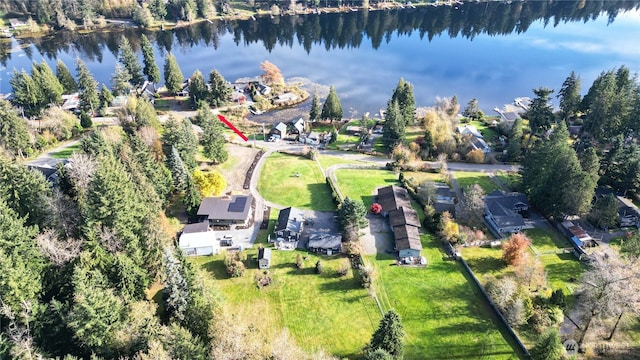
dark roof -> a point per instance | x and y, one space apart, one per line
407 237
393 197
264 253
290 219
234 207
404 216
196 228
513 220
441 206
497 201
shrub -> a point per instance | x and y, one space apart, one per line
366 276
85 120
514 250
319 267
343 270
299 263
376 208
234 266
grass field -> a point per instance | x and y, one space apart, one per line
66 152
412 133
512 180
489 133
562 269
360 184
444 318
422 176
327 311
329 160
279 182
468 178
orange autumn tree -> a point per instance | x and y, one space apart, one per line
515 250
272 74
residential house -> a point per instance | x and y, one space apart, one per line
354 130
480 144
504 212
196 239
259 87
289 225
238 97
393 197
312 138
404 221
49 167
509 116
443 199
264 258
226 210
297 126
286 98
71 101
279 130
148 90
469 130
407 239
325 243
15 24
184 88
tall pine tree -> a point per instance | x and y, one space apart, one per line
220 91
172 74
151 69
569 96
394 126
389 336
314 113
332 109
66 79
87 85
128 58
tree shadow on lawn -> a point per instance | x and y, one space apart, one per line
341 284
216 268
568 270
321 198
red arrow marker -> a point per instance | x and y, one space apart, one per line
230 125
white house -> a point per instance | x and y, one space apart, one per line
196 239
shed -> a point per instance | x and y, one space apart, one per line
264 258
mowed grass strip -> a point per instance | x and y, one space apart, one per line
545 240
444 318
330 160
66 152
359 184
320 310
468 178
294 181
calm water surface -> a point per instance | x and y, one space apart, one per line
365 63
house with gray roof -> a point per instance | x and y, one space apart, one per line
279 129
297 126
196 239
393 197
404 221
407 241
226 210
403 216
504 212
289 225
469 130
328 244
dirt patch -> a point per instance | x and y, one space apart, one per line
242 157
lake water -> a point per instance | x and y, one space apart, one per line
491 51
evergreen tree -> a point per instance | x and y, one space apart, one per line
569 95
605 212
145 114
192 197
377 354
151 69
403 94
180 135
178 170
332 109
87 87
51 89
220 91
548 347
21 263
515 141
25 191
540 114
172 74
128 58
394 128
212 139
176 293
26 93
554 178
197 88
472 111
85 120
105 96
66 79
120 81
389 336
158 9
314 113
14 134
352 213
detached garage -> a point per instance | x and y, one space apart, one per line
196 240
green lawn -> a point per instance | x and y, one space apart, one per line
360 184
468 178
562 269
545 240
422 176
279 183
512 180
66 152
443 316
329 160
320 311
412 133
489 133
